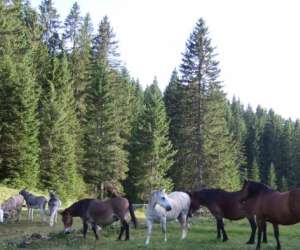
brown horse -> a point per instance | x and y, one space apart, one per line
100 213
223 204
278 208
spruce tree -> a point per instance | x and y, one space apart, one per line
151 151
211 154
72 26
58 158
272 178
173 101
105 156
19 147
49 21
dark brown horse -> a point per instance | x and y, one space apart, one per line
223 204
100 213
278 208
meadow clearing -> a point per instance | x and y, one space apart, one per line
202 235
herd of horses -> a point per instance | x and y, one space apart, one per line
255 201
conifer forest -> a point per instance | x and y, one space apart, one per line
73 119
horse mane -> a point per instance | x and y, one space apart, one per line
259 187
78 207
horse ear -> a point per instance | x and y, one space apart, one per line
164 190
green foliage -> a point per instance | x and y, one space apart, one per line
58 158
209 151
105 156
272 178
19 147
151 153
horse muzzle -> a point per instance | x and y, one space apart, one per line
168 208
68 230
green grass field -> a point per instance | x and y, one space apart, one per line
201 235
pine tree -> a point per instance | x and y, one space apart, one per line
72 27
59 170
294 173
254 175
19 147
238 131
106 159
211 155
49 20
272 178
151 151
173 102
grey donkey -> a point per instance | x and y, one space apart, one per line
54 204
34 202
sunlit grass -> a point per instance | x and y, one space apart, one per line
202 235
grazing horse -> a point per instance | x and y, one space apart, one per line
12 208
163 207
34 202
278 208
223 204
100 213
54 204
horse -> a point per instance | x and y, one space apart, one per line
34 202
278 208
164 207
223 204
1 215
99 213
12 208
54 204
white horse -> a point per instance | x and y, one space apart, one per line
54 204
1 215
163 207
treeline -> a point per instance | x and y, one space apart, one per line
72 119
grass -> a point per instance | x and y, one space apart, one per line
201 235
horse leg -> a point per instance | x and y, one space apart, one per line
276 234
218 229
55 217
85 228
221 226
265 240
164 227
31 210
183 222
28 213
94 227
149 231
260 224
253 230
121 230
126 230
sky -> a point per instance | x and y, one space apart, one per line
257 41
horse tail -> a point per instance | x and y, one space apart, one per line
132 214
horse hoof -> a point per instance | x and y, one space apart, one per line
226 239
250 242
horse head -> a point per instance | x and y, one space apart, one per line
23 192
160 198
252 189
67 220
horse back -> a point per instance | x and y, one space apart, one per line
106 212
280 207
